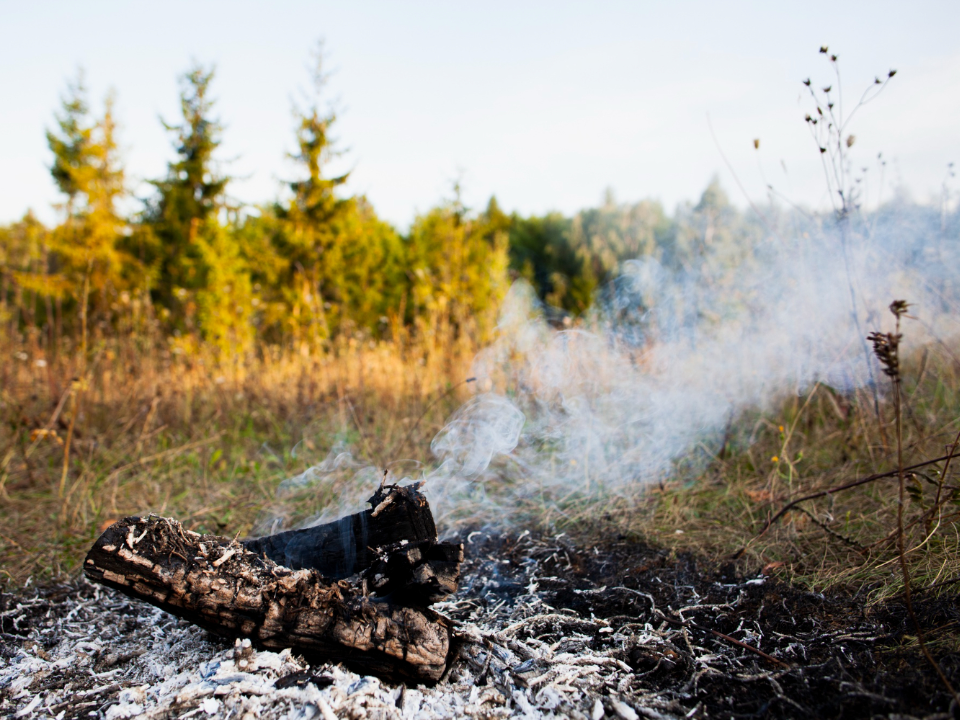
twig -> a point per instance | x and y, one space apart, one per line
736 179
717 633
833 533
363 435
837 488
943 479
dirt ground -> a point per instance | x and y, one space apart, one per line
549 627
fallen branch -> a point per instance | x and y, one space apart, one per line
236 589
847 486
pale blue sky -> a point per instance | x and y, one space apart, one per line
545 104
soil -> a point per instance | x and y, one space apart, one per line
844 659
549 628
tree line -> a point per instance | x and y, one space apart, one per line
313 265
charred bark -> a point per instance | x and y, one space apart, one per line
349 545
228 589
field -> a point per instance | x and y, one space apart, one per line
217 446
209 443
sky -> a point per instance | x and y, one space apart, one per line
546 105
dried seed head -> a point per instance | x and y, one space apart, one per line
899 308
886 348
756 143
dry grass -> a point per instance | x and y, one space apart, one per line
197 438
815 442
210 442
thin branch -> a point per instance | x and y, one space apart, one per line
846 486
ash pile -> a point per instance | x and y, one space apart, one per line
540 627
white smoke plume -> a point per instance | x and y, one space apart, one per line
671 357
673 354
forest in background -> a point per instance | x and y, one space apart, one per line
190 266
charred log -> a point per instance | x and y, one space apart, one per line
351 544
228 589
416 574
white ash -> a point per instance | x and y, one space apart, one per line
93 653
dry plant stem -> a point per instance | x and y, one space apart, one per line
943 479
363 435
846 486
901 553
67 442
396 450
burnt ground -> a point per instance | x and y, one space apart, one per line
840 658
551 628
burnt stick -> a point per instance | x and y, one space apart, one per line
229 590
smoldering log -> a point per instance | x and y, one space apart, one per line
393 544
349 545
226 588
416 574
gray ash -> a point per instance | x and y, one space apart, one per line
549 628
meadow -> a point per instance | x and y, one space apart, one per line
149 430
699 382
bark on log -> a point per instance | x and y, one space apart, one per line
226 588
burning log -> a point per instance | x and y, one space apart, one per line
238 589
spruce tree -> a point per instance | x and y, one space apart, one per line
189 197
71 145
308 237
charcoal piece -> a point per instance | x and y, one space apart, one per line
347 546
416 573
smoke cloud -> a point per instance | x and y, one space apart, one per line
672 356
676 350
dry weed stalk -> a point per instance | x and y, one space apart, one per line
886 346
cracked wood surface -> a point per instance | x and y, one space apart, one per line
225 588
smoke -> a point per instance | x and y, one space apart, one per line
673 355
734 318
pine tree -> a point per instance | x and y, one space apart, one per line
188 198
